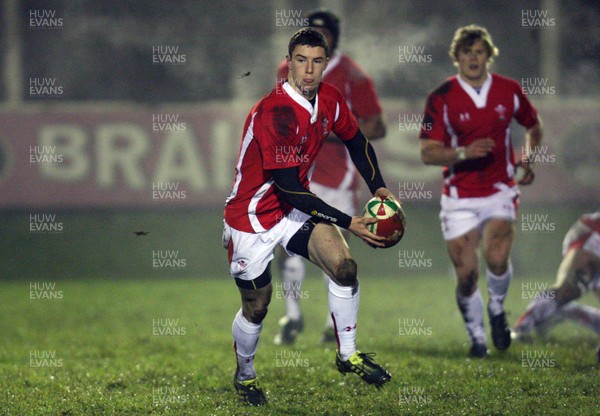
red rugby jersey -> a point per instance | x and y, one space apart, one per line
456 115
334 168
282 130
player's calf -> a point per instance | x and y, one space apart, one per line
255 303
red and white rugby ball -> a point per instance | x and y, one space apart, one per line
392 222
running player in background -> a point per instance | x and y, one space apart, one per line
466 130
578 272
270 205
334 179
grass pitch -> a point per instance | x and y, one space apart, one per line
163 346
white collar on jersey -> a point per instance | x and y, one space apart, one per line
480 99
303 101
335 59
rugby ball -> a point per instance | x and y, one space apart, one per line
392 222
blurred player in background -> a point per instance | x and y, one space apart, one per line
578 272
466 130
270 205
335 178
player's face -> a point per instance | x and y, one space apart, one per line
306 66
473 62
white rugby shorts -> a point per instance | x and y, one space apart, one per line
461 215
250 253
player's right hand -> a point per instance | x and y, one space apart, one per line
528 175
479 148
358 227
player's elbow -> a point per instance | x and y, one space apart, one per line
374 128
379 131
426 156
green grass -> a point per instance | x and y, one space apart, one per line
101 331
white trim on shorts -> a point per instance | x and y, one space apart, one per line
252 252
461 215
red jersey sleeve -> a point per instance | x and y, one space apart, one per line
434 127
345 125
275 131
363 98
526 114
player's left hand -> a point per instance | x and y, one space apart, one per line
528 174
386 193
358 227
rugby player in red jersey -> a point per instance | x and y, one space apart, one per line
466 129
270 204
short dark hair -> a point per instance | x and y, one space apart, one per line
309 37
467 35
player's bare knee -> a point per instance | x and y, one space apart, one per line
345 272
467 283
259 314
256 311
255 303
498 268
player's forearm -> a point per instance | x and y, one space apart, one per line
435 153
291 191
533 136
365 160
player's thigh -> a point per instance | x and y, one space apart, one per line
497 238
463 250
327 248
